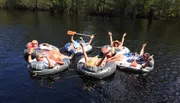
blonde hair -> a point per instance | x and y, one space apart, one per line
92 61
112 50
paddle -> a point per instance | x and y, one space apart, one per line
73 33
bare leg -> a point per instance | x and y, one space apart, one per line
103 59
118 57
70 47
77 50
64 56
101 62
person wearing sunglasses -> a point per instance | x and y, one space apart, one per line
45 61
48 59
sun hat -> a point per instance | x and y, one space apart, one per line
116 41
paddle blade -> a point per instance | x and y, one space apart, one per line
71 32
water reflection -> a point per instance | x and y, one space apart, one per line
46 81
91 84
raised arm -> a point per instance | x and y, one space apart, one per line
92 37
147 62
142 49
111 40
84 53
122 41
72 38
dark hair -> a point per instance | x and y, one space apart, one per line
146 55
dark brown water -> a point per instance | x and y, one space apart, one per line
17 86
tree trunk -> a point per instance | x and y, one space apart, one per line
77 2
36 5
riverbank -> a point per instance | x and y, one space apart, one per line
148 9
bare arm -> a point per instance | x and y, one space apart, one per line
101 61
51 64
104 58
111 40
122 41
142 49
29 58
72 38
84 53
92 36
29 55
117 56
148 61
60 62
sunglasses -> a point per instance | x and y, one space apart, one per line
34 43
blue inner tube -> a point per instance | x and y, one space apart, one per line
67 47
88 48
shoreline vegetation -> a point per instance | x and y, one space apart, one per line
150 9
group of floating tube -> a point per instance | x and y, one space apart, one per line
94 72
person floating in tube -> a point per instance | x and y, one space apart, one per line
75 45
117 45
143 58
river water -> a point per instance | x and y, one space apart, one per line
17 86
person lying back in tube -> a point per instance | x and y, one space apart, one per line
113 57
93 61
34 45
43 61
75 45
47 61
143 58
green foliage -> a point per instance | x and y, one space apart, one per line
2 3
163 9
